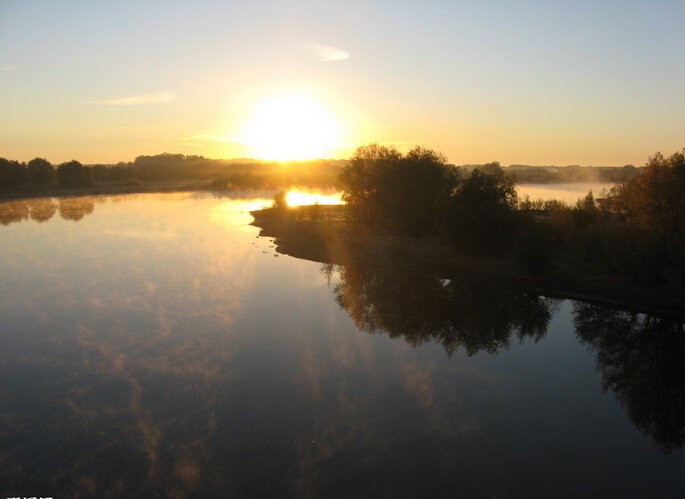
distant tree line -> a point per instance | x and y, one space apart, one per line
635 231
39 172
221 174
522 174
218 174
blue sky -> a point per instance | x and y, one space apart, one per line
517 82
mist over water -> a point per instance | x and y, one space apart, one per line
566 192
153 345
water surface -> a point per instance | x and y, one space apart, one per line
153 345
568 192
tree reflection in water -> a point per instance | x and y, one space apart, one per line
420 308
641 361
43 209
13 211
76 208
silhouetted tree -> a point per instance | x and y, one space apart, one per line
414 192
74 174
40 171
12 173
361 177
482 209
406 194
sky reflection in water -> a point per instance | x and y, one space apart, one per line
153 345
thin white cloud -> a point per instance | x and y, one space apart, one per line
7 67
326 53
138 100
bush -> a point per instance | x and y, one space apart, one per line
533 246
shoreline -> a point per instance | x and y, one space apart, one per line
327 236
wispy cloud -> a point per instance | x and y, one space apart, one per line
7 67
138 100
326 53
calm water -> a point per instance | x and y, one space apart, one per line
568 192
153 346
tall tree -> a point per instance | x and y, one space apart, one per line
404 193
361 178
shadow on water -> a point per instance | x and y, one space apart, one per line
421 308
640 358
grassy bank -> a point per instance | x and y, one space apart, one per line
326 234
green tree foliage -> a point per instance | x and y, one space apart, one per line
73 174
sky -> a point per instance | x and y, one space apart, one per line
520 82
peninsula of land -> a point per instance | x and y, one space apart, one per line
326 234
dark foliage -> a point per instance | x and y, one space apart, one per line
654 207
482 209
73 174
12 174
420 193
40 171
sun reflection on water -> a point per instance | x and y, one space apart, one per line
297 197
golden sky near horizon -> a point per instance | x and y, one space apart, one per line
515 82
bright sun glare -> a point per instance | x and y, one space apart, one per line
296 197
291 127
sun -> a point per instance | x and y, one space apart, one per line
292 126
